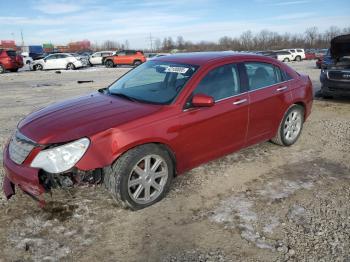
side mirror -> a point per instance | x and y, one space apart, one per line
201 100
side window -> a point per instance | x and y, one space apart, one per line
300 51
130 53
285 76
97 55
220 83
262 75
50 57
293 51
121 53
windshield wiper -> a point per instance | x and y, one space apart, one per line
123 96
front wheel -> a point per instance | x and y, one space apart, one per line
70 66
38 67
290 127
137 63
140 177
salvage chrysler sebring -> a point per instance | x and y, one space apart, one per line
159 120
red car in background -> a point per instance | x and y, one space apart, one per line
159 120
9 60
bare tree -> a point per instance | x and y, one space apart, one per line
311 34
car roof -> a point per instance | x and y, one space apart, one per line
200 58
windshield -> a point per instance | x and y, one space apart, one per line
153 82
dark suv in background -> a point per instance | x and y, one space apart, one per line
335 73
9 60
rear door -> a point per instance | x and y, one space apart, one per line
269 97
62 60
208 132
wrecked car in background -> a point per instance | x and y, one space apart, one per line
335 72
159 120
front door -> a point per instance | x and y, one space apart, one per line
209 132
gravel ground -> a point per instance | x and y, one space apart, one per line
263 203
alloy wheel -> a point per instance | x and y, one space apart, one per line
292 125
148 179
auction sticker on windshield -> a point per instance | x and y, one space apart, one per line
179 70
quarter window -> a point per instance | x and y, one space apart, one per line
220 83
262 75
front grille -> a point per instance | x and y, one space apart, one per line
339 75
20 147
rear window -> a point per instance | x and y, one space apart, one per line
262 75
11 53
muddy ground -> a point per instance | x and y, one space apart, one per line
264 203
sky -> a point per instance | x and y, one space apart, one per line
63 21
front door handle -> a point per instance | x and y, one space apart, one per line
281 88
240 102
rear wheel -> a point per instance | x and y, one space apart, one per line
286 60
109 63
70 66
140 177
2 69
298 58
290 127
137 63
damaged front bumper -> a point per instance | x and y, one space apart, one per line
35 182
24 177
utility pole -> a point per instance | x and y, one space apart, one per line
22 39
151 41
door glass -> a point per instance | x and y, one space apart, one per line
220 83
262 75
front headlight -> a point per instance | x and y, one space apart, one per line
61 158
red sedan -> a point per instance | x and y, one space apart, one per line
159 120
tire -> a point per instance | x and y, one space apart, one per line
2 69
128 187
109 64
286 60
70 66
137 63
38 67
298 58
288 134
325 95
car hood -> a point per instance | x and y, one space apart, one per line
81 117
340 46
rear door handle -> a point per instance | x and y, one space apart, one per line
240 102
281 88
